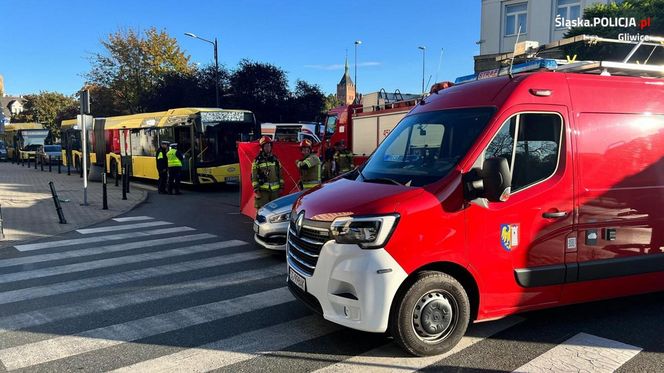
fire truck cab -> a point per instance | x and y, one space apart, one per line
492 197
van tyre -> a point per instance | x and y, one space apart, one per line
431 316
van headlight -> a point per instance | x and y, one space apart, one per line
368 232
279 218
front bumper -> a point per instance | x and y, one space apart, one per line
271 236
352 286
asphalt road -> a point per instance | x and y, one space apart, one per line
178 285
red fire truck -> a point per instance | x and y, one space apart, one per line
541 186
362 127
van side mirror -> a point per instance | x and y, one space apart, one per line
493 181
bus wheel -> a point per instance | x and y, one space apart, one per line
431 316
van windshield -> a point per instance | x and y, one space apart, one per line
425 147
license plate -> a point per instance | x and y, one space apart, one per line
256 228
232 179
298 280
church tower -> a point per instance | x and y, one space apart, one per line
346 88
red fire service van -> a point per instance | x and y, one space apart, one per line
521 191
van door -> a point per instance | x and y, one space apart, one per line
518 246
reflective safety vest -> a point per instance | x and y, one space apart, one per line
310 177
266 173
173 160
344 160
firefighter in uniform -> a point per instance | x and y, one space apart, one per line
175 159
162 167
266 175
328 161
343 159
309 166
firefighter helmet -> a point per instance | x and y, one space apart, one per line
305 143
265 140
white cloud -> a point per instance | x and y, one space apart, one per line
338 66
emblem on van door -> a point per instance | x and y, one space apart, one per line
509 236
299 222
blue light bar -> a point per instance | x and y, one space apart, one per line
548 64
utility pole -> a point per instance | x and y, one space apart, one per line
83 121
424 52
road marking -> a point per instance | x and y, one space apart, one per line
238 348
124 277
111 262
583 353
133 218
391 358
123 227
151 294
110 237
92 340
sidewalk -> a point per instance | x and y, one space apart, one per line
28 210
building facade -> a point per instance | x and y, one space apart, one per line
346 88
532 20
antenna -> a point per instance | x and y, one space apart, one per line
440 61
518 33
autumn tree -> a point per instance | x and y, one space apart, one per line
134 64
47 108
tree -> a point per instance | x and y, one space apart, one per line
261 88
47 108
331 101
134 64
637 9
307 102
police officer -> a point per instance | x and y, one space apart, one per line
266 174
175 159
343 158
162 166
309 166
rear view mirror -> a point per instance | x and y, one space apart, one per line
493 181
497 179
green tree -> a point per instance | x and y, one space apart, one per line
307 102
134 64
331 101
47 108
261 88
638 9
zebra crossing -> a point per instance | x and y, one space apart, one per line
159 297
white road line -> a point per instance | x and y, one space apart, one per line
133 218
103 249
583 353
150 294
110 237
124 277
92 340
391 358
238 348
117 261
123 227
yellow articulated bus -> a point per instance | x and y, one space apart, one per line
70 137
24 139
207 138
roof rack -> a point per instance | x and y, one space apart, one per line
535 62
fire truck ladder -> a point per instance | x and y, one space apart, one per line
535 60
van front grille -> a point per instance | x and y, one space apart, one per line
304 248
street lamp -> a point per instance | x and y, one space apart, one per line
424 52
357 42
216 62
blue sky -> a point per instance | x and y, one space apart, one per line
47 44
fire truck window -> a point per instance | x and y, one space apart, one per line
537 149
503 144
331 124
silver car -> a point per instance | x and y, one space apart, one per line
271 224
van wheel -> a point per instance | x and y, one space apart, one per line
431 316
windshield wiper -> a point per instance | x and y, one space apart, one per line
382 180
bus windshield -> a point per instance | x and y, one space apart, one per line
216 144
425 147
32 140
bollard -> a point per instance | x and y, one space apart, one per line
50 164
69 168
28 162
41 162
59 164
2 231
35 159
58 208
124 182
103 191
117 175
81 171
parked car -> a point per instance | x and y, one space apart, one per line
3 152
271 224
49 153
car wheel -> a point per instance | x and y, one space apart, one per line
432 314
